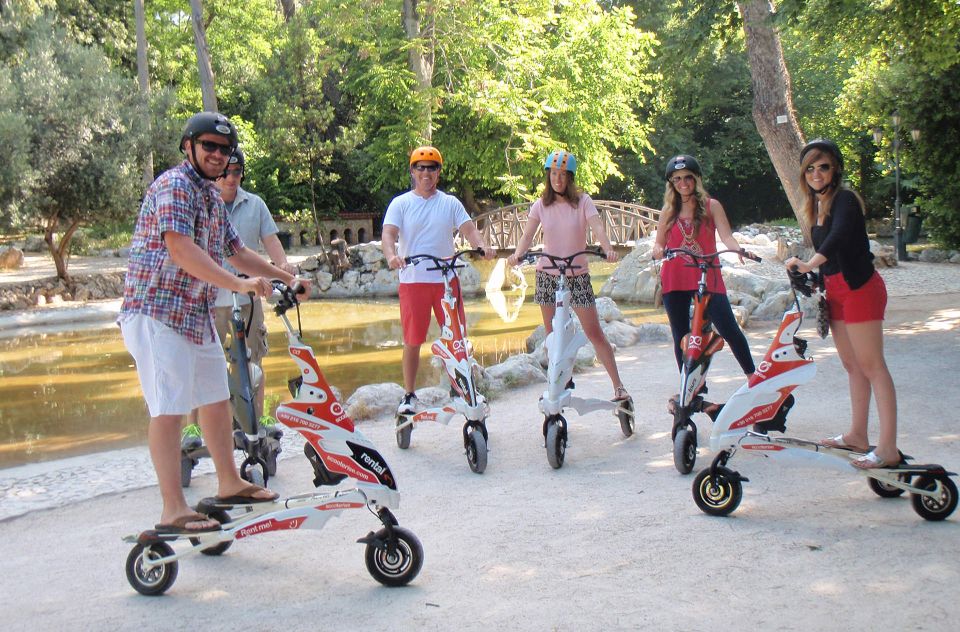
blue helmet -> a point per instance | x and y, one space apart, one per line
561 160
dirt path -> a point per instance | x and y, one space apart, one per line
612 541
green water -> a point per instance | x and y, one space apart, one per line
70 393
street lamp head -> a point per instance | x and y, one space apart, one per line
877 135
896 118
915 135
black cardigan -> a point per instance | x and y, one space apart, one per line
843 241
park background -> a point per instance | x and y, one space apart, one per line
331 96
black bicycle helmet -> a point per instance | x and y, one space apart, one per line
827 145
209 123
683 161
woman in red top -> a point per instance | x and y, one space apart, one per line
690 219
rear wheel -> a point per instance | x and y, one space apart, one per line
936 507
685 451
403 436
220 548
155 580
717 495
885 490
556 442
626 418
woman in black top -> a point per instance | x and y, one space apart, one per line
857 297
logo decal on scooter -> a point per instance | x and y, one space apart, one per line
338 505
372 460
269 525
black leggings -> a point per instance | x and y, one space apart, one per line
721 315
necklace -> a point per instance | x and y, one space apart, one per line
689 239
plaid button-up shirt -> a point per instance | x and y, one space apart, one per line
181 201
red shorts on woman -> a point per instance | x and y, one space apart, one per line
864 304
417 300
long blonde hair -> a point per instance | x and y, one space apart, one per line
673 204
810 196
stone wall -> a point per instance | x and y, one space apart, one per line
52 291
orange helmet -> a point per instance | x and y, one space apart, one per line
427 154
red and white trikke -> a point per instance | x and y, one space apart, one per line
456 353
336 449
761 405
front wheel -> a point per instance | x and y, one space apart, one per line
625 416
719 495
935 507
151 581
685 451
556 442
399 567
403 436
477 452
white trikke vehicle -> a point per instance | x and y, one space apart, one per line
455 351
336 449
761 405
562 345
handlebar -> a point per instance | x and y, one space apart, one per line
287 295
805 283
700 258
560 263
444 264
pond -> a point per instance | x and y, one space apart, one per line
70 393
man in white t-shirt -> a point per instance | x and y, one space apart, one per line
424 221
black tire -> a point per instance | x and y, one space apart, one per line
625 414
398 569
477 452
186 470
255 475
937 508
718 496
556 443
884 490
154 581
403 436
685 451
220 548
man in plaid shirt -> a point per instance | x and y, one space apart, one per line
167 318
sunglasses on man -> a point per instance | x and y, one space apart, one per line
209 146
430 168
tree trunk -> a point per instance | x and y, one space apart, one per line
143 76
207 89
773 111
420 60
289 9
59 251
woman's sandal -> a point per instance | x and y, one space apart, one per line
839 443
620 394
870 461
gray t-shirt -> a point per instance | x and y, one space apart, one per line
252 219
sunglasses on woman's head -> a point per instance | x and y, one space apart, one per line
209 146
679 179
823 167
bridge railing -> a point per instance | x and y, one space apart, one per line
624 222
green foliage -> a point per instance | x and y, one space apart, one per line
71 158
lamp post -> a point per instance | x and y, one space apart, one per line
899 244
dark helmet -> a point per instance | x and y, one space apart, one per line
683 161
562 160
827 145
238 159
209 123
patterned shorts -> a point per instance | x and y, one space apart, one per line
581 292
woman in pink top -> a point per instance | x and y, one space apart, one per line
691 219
565 213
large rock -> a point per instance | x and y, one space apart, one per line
773 307
635 279
515 371
374 400
11 258
933 255
607 310
619 333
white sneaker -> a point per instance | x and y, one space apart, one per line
408 405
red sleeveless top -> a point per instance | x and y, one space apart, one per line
675 275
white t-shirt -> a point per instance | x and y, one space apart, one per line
426 226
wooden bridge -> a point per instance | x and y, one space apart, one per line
625 223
